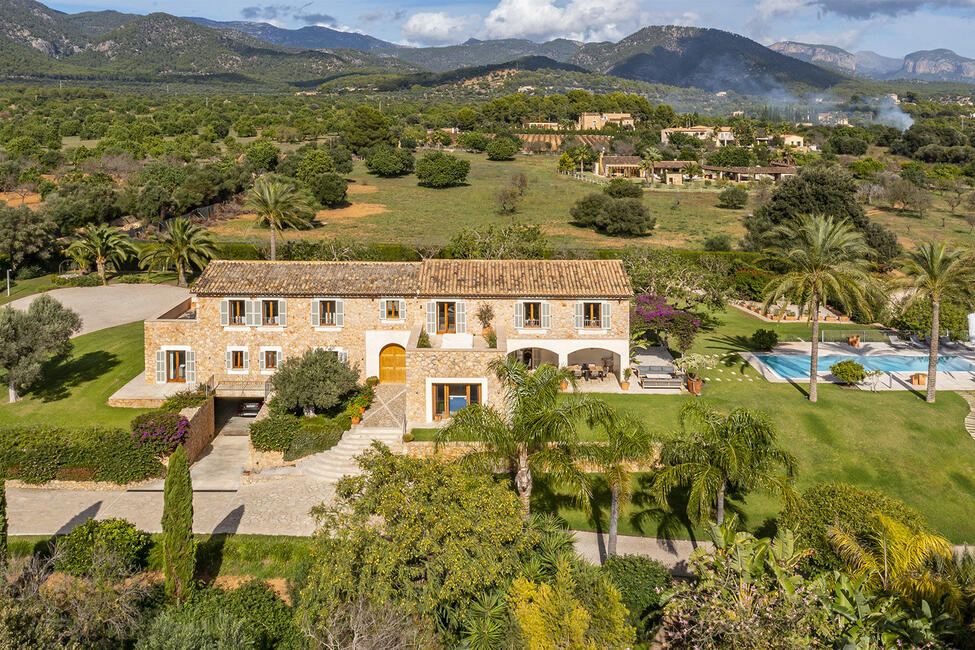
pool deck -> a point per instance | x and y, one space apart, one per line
954 380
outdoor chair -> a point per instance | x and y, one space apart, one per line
916 342
896 343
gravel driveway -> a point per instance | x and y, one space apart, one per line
116 304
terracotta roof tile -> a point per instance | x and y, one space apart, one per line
448 278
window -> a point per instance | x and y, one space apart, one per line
237 360
592 314
450 398
270 312
175 366
533 314
392 309
270 359
327 313
446 317
238 312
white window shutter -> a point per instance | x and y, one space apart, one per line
252 312
160 366
402 309
247 359
344 357
606 315
546 316
230 360
261 360
190 367
283 313
519 315
382 309
461 314
580 323
224 313
340 313
315 317
431 317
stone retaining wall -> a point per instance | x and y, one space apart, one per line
202 429
455 450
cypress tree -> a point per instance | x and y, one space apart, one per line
3 523
179 547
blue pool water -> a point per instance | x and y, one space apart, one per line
796 366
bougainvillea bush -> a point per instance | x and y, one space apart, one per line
160 431
653 314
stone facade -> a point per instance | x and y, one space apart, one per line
195 328
202 430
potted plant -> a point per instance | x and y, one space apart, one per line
354 413
694 366
485 314
625 384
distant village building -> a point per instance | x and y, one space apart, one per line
699 132
596 121
547 126
791 140
619 166
738 114
746 174
724 136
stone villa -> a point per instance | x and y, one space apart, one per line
245 317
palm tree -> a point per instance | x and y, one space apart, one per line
934 271
185 245
627 442
828 260
651 156
278 205
713 453
897 559
535 430
102 244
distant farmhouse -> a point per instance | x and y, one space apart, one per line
596 121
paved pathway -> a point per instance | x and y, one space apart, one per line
116 304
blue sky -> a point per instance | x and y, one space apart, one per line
889 27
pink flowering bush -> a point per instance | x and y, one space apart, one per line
653 314
160 431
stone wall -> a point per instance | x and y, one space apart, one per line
202 429
430 363
450 451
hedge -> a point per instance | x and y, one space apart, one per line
39 453
298 437
118 537
185 399
275 433
641 583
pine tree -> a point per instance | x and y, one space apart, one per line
179 547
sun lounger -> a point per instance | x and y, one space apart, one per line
896 343
918 343
946 342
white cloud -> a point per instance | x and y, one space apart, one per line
587 20
847 39
435 28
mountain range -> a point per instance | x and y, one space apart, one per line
37 42
926 65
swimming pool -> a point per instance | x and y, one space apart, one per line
796 366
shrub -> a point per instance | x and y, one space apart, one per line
763 339
329 189
389 162
492 339
640 582
613 216
848 371
88 280
749 284
372 380
184 399
473 141
39 453
29 272
720 243
733 197
115 536
162 431
846 507
318 379
620 188
423 340
316 435
275 433
501 149
438 169
171 631
408 437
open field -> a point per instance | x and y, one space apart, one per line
74 391
891 441
386 210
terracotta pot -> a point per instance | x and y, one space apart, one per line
355 420
564 385
694 386
362 409
486 330
625 385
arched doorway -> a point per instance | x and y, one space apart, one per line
392 365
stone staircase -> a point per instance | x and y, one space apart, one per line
339 461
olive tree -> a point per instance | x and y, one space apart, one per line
316 380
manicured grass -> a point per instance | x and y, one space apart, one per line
22 288
74 391
397 210
891 441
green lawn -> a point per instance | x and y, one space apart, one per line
397 210
21 288
891 441
74 390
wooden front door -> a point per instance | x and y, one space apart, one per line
392 365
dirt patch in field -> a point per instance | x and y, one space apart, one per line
279 585
31 199
356 188
350 213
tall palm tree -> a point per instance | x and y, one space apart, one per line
533 432
934 271
185 245
713 453
627 442
651 156
827 259
278 204
102 244
897 559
